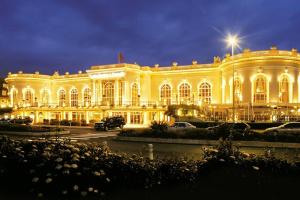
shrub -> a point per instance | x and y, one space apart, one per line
159 126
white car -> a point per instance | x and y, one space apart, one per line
181 125
290 127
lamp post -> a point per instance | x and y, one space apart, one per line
232 41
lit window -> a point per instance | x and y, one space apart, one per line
184 93
260 90
61 97
136 118
135 94
120 93
165 94
108 92
45 97
237 90
284 89
28 97
87 97
205 93
74 97
14 97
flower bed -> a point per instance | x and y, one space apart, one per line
65 170
28 128
204 134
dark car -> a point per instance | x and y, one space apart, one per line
110 123
240 127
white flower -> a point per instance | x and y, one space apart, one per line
95 191
107 179
58 167
75 187
74 166
90 189
40 195
221 160
59 160
64 192
256 168
97 173
83 193
48 180
66 165
35 179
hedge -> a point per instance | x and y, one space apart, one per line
65 170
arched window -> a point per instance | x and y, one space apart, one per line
61 97
184 93
165 94
45 97
260 89
28 95
108 93
205 92
237 90
284 89
74 97
13 97
135 94
87 97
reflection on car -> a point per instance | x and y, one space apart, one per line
181 125
239 127
110 123
289 127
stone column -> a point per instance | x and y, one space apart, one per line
116 95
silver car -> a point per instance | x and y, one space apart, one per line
290 127
181 125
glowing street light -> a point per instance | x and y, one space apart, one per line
232 41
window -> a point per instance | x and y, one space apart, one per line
14 97
165 94
284 89
135 94
108 92
28 94
45 97
205 93
120 93
87 97
136 118
74 97
237 90
260 90
184 93
61 97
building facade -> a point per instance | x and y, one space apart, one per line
264 86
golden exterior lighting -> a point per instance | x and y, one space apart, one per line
142 94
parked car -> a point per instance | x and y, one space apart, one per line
181 125
239 127
110 123
289 127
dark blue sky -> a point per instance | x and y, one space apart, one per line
71 35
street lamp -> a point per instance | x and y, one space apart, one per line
232 41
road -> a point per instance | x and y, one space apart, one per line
87 135
164 150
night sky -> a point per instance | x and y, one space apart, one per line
72 35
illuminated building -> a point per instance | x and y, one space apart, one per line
4 100
267 88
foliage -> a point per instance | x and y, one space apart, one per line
202 133
60 169
5 110
27 128
159 126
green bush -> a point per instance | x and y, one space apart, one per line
159 126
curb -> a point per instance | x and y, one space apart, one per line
259 144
